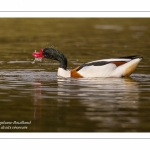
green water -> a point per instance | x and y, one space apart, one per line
33 99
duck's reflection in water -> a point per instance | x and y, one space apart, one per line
37 103
107 101
99 104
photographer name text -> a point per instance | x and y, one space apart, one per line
14 124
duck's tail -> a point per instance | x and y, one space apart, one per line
128 68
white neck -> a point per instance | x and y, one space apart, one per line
63 73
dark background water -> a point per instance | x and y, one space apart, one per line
32 92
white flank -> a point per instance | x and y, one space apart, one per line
108 70
63 73
97 71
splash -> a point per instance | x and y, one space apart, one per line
37 59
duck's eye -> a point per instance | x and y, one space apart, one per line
45 54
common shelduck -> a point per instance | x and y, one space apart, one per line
113 67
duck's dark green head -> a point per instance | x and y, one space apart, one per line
54 54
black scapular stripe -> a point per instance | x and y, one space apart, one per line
97 63
131 57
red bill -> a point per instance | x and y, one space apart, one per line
38 54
